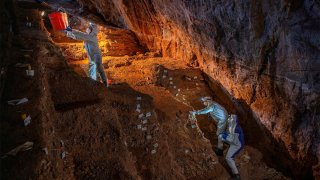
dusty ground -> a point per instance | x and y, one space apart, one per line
152 76
94 133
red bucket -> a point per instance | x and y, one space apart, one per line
59 20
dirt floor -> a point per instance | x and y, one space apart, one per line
153 76
136 129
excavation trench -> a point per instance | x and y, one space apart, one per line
194 89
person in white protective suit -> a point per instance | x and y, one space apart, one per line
92 48
228 131
219 115
234 137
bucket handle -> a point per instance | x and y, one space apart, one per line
61 9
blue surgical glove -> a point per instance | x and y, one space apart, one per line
69 29
224 135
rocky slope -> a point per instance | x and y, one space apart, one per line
266 55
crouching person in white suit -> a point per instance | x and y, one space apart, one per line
234 137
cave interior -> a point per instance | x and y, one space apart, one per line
260 60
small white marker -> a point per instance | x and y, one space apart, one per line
171 82
170 78
141 115
144 129
145 121
153 151
165 71
27 121
45 150
156 145
63 155
18 101
149 137
138 110
139 126
139 98
164 76
148 114
174 87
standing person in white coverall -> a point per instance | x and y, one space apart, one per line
234 137
92 48
228 131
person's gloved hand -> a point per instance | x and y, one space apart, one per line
69 29
193 113
224 135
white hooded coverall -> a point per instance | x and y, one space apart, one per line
220 116
235 138
92 48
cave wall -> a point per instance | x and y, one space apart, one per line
266 54
112 41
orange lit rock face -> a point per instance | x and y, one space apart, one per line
112 41
266 55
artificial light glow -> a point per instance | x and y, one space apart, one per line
42 13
